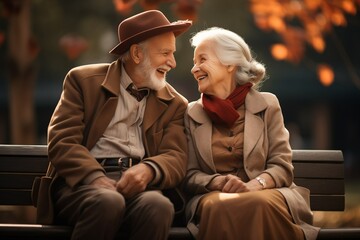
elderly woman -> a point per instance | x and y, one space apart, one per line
240 174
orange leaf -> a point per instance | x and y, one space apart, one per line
33 47
318 43
277 23
262 22
279 51
187 9
124 6
338 18
322 23
2 38
312 5
73 45
349 7
325 74
294 40
150 4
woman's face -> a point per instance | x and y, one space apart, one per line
212 76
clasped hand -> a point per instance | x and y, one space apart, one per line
231 184
133 181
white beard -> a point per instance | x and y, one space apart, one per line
150 79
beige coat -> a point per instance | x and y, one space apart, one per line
87 105
266 149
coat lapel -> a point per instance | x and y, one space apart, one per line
155 106
101 121
254 124
111 88
202 133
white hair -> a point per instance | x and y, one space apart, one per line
126 55
231 49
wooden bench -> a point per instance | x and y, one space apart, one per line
322 171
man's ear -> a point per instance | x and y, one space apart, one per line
136 53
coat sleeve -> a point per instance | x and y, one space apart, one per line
279 154
71 159
166 144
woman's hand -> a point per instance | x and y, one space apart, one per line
217 183
235 185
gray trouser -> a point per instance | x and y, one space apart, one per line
98 213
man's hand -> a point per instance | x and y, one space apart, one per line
135 180
104 182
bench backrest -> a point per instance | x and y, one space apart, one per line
321 171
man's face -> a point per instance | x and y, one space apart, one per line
158 59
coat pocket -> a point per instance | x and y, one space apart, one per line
35 191
41 197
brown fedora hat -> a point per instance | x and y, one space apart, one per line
145 25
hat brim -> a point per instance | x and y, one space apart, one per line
177 28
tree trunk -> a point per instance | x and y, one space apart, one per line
22 53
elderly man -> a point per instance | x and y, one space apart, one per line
116 137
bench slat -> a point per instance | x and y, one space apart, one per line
318 170
318 202
19 164
318 155
17 180
34 231
42 232
23 164
339 233
319 186
27 150
327 202
314 169
15 197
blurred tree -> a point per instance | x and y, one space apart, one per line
304 22
185 9
296 21
22 52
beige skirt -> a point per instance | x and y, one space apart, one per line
251 215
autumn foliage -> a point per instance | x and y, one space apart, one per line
73 45
185 9
301 23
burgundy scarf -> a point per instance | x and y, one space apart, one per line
223 111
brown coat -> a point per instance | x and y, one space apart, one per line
266 149
87 105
